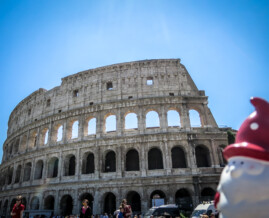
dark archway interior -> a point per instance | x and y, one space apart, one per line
110 162
155 159
90 163
184 200
132 160
110 203
157 194
49 203
202 157
178 158
133 199
207 194
72 166
66 205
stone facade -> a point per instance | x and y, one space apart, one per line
53 169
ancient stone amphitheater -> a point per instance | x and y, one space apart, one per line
114 132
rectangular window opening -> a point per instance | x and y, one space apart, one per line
109 86
171 94
150 81
75 93
91 103
130 97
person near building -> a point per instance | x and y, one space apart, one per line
127 209
120 214
18 208
86 211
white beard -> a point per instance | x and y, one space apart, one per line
243 189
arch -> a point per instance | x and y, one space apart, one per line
53 165
88 163
70 165
34 203
59 134
75 129
173 118
178 157
92 126
207 194
109 203
132 160
195 119
87 196
152 119
18 174
110 123
16 146
110 162
38 169
27 171
66 205
157 198
155 159
202 156
133 199
33 139
44 136
131 121
222 160
10 175
23 143
183 200
5 207
49 203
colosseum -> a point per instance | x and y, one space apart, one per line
121 131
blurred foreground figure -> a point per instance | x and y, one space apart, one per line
243 188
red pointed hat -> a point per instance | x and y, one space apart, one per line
252 139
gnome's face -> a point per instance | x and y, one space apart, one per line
244 183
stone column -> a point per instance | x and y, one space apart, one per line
163 119
119 162
185 117
167 159
213 154
57 203
78 158
141 121
99 125
50 134
119 122
65 129
81 121
143 160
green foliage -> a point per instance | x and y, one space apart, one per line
231 137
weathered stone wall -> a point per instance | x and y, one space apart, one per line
137 87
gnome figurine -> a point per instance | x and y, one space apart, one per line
243 190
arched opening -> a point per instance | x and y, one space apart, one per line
157 198
110 123
16 146
49 203
88 163
66 205
155 159
45 136
132 160
178 158
152 119
131 121
133 199
59 133
87 196
110 162
70 165
195 120
38 169
23 143
92 126
10 175
35 203
53 167
222 160
173 118
109 203
75 130
202 156
5 208
183 200
24 202
27 172
207 194
18 174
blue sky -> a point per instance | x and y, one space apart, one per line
223 44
